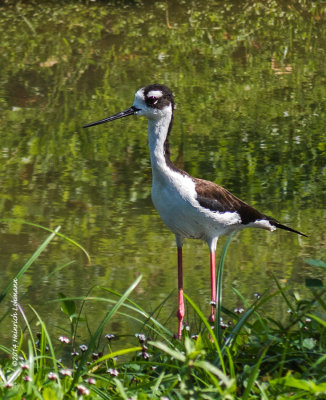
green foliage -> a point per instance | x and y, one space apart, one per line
258 63
249 79
28 264
68 307
253 357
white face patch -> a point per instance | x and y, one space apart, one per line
139 101
155 93
140 94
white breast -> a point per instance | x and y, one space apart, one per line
174 197
174 193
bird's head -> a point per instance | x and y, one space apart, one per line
153 102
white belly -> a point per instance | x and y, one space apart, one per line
176 203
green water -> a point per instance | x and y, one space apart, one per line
250 87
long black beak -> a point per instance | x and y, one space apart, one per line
130 111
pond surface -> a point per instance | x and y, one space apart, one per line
249 81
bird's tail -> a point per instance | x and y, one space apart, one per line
286 228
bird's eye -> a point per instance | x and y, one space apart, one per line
153 99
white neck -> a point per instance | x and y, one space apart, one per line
157 133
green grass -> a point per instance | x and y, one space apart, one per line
252 357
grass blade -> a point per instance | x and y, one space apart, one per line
209 329
46 337
240 324
317 319
172 353
219 287
115 354
68 239
29 263
99 330
149 317
253 376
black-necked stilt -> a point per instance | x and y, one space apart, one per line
190 207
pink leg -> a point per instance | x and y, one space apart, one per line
181 308
213 287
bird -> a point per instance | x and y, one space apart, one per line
190 207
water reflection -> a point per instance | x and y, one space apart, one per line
250 116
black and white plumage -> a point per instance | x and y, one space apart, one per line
190 207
